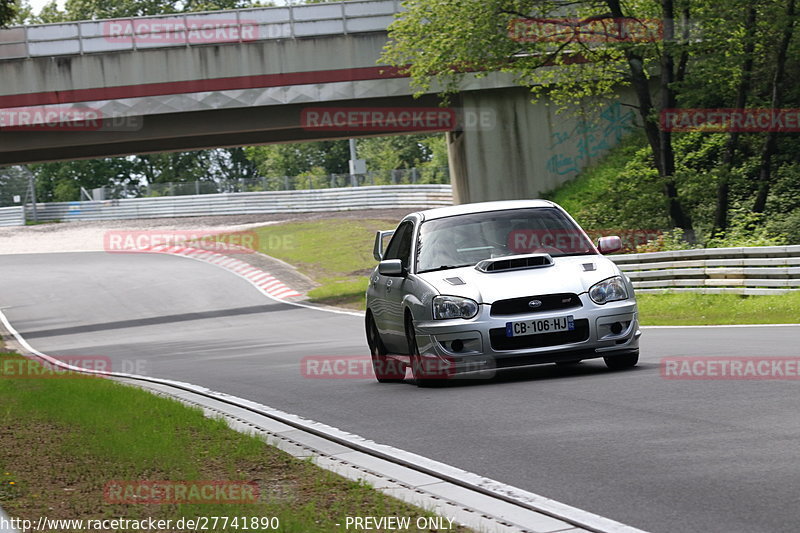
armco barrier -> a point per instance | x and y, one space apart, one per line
12 216
253 203
748 270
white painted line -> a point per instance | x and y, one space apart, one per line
422 490
361 313
257 285
282 292
266 283
463 478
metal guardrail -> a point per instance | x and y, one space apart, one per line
12 216
403 176
195 29
255 203
748 270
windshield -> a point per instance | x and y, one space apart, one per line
465 240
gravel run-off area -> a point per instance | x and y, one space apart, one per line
92 236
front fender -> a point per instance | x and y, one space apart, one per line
420 301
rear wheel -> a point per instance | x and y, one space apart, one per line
387 369
619 362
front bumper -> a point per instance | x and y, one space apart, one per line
479 345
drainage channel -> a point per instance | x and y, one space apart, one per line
468 499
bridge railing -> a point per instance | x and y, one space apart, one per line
747 270
197 29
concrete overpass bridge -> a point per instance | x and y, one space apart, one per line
268 75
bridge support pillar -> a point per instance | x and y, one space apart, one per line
512 149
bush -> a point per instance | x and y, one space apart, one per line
623 191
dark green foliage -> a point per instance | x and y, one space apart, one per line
622 192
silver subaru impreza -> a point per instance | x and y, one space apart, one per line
469 289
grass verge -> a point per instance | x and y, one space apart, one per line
336 253
685 309
64 439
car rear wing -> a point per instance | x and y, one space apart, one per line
377 250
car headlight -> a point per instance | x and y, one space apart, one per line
445 307
608 290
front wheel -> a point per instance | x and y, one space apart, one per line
387 369
422 375
619 362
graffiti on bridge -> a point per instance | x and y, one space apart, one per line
572 149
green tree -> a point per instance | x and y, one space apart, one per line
440 40
395 152
744 59
62 181
294 159
737 53
8 10
232 164
174 167
127 175
777 99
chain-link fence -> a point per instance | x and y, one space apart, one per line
412 176
14 186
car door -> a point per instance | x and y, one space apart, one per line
392 289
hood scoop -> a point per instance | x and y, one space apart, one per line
514 262
455 281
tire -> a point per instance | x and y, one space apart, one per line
421 379
620 362
387 369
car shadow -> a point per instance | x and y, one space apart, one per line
543 372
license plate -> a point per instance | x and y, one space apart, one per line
539 325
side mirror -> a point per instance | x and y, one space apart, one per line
608 245
391 267
377 249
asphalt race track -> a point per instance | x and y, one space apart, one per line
662 455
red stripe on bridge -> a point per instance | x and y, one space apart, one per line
202 85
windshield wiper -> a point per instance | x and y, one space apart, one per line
572 254
442 267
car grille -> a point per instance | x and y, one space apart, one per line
550 302
497 337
